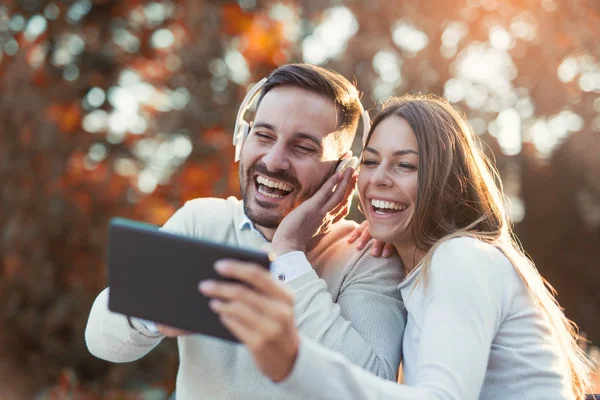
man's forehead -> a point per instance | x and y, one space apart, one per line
291 109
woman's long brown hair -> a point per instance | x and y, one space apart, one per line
460 194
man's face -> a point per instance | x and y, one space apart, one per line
289 153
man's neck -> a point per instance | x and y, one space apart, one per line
266 232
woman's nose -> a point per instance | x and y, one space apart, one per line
380 177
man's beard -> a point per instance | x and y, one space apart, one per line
260 217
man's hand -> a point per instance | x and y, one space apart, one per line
315 216
171 332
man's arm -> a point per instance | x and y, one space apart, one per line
114 337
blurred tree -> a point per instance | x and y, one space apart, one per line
125 108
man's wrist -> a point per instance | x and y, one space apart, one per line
283 248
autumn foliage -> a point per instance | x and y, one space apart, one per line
126 108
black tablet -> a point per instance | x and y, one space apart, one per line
154 275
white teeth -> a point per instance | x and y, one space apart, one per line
273 184
274 196
387 204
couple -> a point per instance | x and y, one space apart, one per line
476 321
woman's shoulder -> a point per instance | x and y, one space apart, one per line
469 256
465 247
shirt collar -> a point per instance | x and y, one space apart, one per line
248 225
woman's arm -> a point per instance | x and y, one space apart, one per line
462 309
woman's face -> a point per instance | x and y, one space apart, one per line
387 181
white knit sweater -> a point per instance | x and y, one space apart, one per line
349 303
474 332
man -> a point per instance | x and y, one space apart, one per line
345 299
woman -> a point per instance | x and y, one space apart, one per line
481 322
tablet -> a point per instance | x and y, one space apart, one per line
154 275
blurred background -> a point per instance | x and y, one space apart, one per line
126 108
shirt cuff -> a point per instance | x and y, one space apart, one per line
290 266
149 325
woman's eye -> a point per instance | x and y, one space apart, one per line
407 166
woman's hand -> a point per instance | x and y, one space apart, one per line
362 234
260 314
315 215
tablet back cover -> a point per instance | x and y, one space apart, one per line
154 275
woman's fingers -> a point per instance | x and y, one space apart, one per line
259 313
377 248
357 232
388 250
242 332
382 249
274 353
354 235
226 291
246 313
365 236
248 273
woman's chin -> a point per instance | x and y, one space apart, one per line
382 235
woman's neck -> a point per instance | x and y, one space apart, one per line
410 255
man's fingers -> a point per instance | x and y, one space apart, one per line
352 185
340 191
170 331
324 192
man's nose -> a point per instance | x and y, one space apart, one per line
276 159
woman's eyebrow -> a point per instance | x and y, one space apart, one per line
396 153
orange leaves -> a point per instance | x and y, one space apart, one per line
40 78
197 180
154 210
83 200
236 20
66 116
262 39
88 185
152 69
217 137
